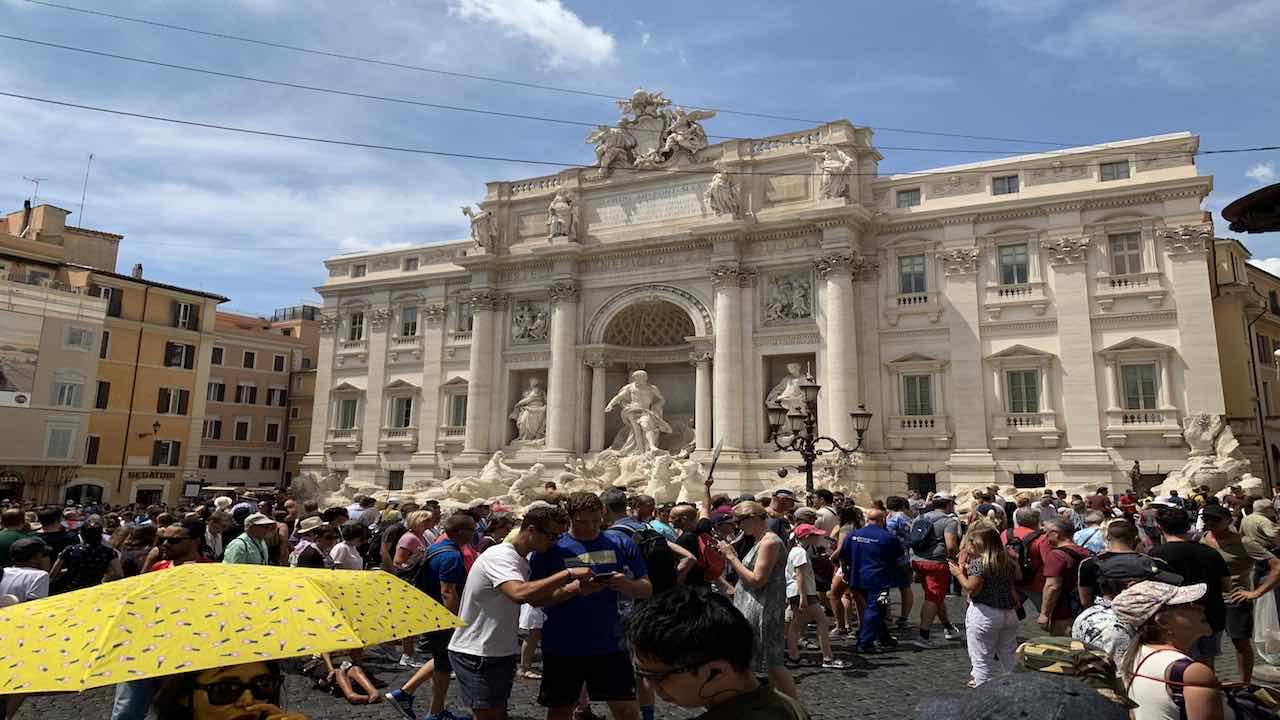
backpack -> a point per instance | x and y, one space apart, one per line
922 537
823 569
1071 658
658 558
710 562
1020 550
422 568
1248 702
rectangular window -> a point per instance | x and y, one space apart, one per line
395 479
179 355
347 413
1264 349
908 198
1013 264
186 316
293 413
247 394
408 322
242 431
250 359
911 274
1139 386
1126 253
1114 170
79 338
273 432
1024 391
102 396
67 394
113 296
172 401
59 442
278 363
402 412
306 365
466 317
410 264
291 443
1273 302
212 429
923 483
165 452
458 411
239 462
217 391
355 327
1005 185
1028 480
91 444
916 396
276 396
269 463
215 358
105 345
208 462
359 270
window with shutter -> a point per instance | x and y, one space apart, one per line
184 400
104 345
175 452
91 450
103 395
157 452
162 401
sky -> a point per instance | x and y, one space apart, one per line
252 217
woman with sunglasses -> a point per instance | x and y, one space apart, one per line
237 692
761 592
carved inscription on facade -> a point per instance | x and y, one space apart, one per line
675 201
782 246
645 259
783 189
532 224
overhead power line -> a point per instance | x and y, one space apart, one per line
423 103
553 163
502 81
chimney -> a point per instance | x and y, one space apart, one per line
137 271
26 218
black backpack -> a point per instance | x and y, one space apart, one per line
923 537
1020 549
658 558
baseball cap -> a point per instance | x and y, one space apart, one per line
1139 603
806 512
946 497
784 493
721 517
258 519
1135 566
803 531
394 499
478 502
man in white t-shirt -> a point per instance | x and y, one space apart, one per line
827 519
28 577
484 654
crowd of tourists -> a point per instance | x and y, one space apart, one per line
711 603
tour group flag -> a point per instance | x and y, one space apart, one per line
203 615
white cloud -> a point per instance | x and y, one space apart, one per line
1262 173
567 39
644 40
1271 265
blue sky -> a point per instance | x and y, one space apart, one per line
252 217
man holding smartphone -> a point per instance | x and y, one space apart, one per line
582 635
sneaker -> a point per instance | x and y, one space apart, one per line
904 623
836 664
808 645
406 661
920 642
869 650
448 714
402 702
953 633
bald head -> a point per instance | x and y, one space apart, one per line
876 516
684 517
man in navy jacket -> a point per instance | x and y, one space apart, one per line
872 555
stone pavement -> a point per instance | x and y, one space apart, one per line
886 686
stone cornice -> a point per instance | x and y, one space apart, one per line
909 227
1141 318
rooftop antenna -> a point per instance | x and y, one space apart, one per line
84 189
36 182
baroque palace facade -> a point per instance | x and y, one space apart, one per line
1041 319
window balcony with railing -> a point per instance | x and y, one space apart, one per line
405 342
1041 426
1027 294
904 429
343 439
353 346
460 337
404 438
1122 423
920 303
1142 284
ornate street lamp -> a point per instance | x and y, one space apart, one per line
801 427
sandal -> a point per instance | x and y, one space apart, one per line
530 674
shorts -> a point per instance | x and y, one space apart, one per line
1240 621
794 602
905 577
484 682
935 577
531 618
438 647
607 677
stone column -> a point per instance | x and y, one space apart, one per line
840 386
378 319
321 412
433 333
727 371
701 360
485 305
1186 248
598 367
1113 390
1069 258
971 461
562 379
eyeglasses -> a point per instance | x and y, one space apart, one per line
225 692
658 677
172 540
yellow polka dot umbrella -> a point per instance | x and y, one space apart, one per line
199 616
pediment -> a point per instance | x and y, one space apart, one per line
1019 351
1136 344
913 358
347 387
455 381
401 384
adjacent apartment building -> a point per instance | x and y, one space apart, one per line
302 322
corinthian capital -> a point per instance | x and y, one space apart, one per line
434 313
1187 239
486 299
732 276
836 263
563 291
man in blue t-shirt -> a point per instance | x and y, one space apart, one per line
872 554
582 635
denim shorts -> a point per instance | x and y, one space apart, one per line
484 682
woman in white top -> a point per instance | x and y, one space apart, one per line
1159 674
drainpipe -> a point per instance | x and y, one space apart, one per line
1258 390
133 390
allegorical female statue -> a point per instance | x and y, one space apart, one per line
530 413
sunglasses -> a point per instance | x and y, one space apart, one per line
660 676
225 692
172 540
552 536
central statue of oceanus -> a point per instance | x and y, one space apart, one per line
641 405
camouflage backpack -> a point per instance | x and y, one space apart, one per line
1073 658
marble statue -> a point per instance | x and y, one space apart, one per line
484 233
836 167
530 414
1214 458
560 217
529 323
684 132
641 103
614 146
528 486
787 393
641 405
722 194
788 299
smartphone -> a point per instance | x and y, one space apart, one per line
602 576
